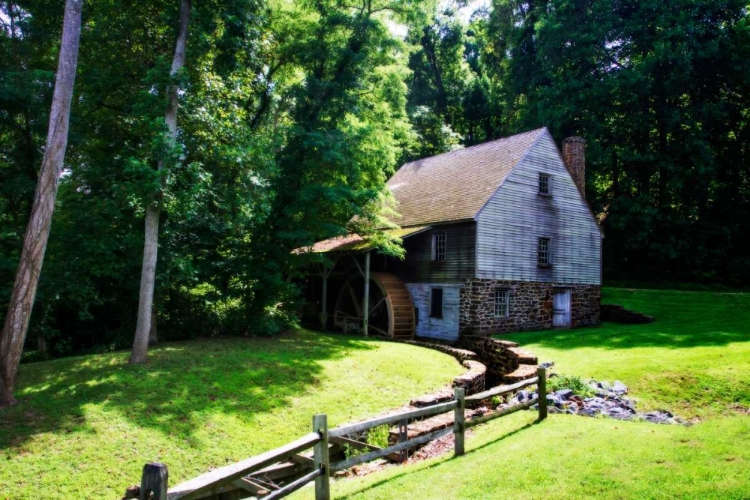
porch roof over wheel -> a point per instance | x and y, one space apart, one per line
355 243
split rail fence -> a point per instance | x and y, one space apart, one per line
238 477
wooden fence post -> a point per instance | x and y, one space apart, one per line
403 436
541 373
458 421
154 482
320 457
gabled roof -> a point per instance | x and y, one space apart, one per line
455 186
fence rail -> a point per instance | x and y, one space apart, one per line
232 477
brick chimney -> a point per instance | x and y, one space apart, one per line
574 155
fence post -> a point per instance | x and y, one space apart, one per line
403 436
154 482
541 373
320 457
458 421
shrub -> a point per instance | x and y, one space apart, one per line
573 382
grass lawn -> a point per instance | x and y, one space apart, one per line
85 426
694 361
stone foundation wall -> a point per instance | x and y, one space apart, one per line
530 306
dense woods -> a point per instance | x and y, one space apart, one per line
293 114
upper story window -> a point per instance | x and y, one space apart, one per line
544 253
544 184
438 246
502 303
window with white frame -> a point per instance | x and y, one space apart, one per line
544 184
502 303
438 246
544 253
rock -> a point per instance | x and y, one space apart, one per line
522 396
564 394
604 385
619 388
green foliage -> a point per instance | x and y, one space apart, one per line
573 382
378 436
294 114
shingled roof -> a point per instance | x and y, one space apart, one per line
455 186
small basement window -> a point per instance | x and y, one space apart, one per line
502 303
436 302
544 184
544 253
438 246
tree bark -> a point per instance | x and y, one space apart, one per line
153 212
37 232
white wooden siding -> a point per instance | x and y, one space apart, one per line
445 328
516 216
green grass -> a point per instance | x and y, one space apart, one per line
85 426
694 360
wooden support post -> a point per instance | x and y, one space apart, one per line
541 374
324 301
403 436
320 456
458 421
366 299
154 482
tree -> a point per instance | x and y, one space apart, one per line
37 232
153 211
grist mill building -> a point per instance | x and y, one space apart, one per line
498 238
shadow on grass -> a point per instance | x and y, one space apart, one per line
683 320
441 463
181 381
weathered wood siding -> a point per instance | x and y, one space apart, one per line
460 256
509 226
445 328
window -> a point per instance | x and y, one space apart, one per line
436 303
544 257
438 246
544 184
502 302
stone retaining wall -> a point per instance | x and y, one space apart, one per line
530 306
500 356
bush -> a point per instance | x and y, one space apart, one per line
573 382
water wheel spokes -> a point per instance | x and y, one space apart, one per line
391 312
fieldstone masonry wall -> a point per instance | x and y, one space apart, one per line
530 306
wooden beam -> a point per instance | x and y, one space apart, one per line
294 485
497 414
196 487
366 299
429 411
413 443
251 486
322 462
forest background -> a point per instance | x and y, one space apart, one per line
293 114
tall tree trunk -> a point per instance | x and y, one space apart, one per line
153 212
37 232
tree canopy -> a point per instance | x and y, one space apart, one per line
293 115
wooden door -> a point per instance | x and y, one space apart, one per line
561 308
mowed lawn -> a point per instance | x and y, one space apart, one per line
694 361
85 426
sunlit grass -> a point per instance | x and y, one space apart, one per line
86 425
694 360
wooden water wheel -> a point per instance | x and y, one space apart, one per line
391 311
